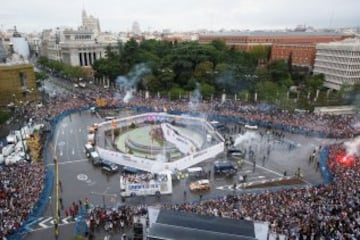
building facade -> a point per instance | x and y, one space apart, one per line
339 62
17 83
299 46
80 47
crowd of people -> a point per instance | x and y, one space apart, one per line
113 220
329 211
20 187
339 126
299 211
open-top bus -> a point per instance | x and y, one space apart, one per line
145 184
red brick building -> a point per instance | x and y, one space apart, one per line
299 45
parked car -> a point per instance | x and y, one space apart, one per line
196 173
235 152
109 167
200 185
88 149
225 167
95 158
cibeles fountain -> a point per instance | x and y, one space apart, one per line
157 142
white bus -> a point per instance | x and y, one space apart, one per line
138 185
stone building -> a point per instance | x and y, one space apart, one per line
300 46
80 47
17 83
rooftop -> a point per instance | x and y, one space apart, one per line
273 33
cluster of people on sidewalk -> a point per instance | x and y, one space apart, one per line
20 187
329 211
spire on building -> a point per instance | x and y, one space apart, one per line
136 28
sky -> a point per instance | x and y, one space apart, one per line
182 15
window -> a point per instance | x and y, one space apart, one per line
23 79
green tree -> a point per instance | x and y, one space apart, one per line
204 72
207 90
315 82
176 92
267 91
279 71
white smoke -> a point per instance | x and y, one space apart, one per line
128 95
131 80
246 138
195 99
353 147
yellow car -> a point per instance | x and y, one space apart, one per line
200 185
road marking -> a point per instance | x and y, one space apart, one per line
82 177
42 223
266 169
28 226
43 226
65 220
79 129
61 153
68 162
92 183
260 177
63 132
73 152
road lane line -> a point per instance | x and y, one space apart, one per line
71 161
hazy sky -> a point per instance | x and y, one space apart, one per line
118 15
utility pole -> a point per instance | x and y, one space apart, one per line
56 214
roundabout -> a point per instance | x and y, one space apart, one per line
156 142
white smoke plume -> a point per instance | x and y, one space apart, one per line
195 99
246 138
353 147
130 81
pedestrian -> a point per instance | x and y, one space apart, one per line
245 177
254 165
61 203
66 213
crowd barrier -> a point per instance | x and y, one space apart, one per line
324 169
42 202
